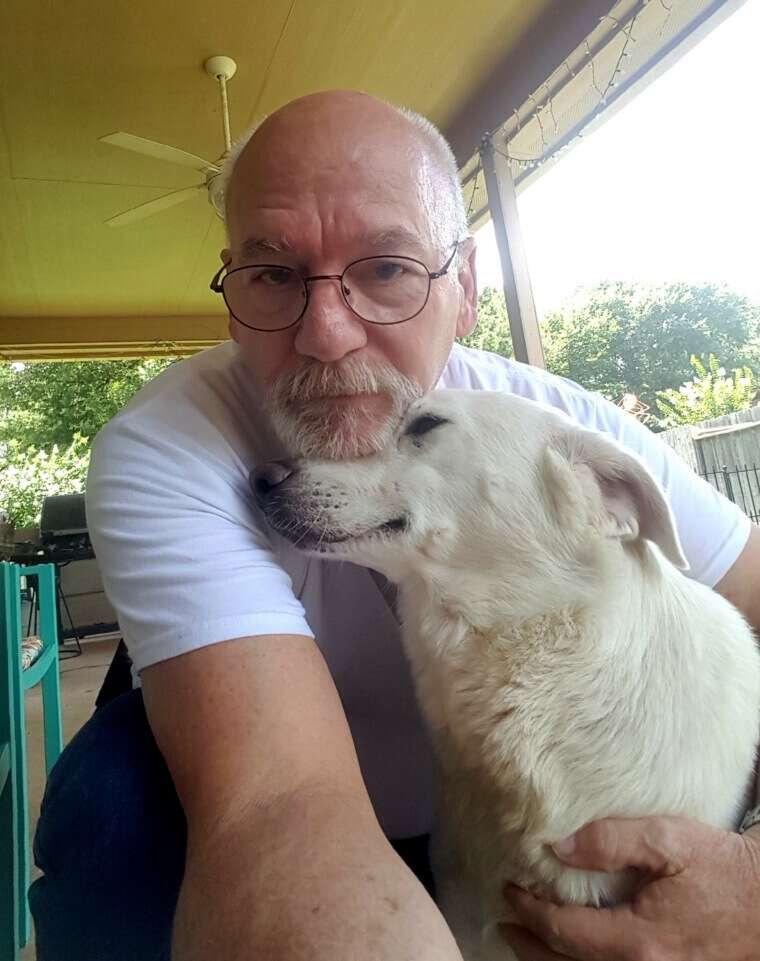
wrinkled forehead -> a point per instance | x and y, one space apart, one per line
370 174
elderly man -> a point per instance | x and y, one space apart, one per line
274 685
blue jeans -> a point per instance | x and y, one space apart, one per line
111 843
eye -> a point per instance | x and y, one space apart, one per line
387 270
270 276
423 425
276 276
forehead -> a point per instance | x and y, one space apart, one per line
322 190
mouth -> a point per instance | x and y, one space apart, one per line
309 538
342 400
396 525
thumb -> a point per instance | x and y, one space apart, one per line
659 846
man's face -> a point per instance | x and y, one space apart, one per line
326 181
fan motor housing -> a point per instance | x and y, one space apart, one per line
221 67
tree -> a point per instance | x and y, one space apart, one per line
29 475
492 330
49 414
617 338
46 404
710 393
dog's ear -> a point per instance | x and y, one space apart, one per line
634 505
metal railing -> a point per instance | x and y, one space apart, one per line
740 485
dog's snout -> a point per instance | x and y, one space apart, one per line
268 477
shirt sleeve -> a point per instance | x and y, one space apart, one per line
183 559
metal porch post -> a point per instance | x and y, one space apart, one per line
521 309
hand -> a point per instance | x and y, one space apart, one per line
701 901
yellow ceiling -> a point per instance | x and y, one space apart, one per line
73 72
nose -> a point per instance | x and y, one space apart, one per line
268 477
329 329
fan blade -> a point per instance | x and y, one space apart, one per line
153 206
160 151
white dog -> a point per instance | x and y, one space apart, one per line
568 671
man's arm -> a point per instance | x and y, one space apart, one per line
741 583
285 859
741 586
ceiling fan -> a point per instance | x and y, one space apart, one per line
221 69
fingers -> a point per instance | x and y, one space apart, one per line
659 846
591 934
526 946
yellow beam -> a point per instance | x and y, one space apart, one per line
90 338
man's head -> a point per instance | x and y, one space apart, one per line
324 181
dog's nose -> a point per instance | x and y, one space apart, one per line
268 477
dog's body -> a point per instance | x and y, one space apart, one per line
566 669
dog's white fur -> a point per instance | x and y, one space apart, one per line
567 670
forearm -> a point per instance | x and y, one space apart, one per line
310 879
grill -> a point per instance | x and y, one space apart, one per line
64 538
63 529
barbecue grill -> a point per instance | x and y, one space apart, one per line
64 538
63 529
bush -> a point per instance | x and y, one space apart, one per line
29 475
709 394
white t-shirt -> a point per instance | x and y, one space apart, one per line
187 560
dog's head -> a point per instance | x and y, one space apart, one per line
477 488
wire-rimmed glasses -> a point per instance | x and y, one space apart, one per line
379 290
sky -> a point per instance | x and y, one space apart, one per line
666 190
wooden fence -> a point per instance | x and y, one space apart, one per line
726 452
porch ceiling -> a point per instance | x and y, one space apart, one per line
74 72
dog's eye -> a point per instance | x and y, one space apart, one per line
423 425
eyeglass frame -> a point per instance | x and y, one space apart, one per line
217 286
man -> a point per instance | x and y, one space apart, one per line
274 684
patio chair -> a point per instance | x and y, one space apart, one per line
14 682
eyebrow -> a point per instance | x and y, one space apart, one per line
395 239
259 245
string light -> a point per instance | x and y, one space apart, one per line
550 105
628 39
536 106
537 115
473 192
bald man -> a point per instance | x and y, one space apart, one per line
266 791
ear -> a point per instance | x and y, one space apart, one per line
468 281
581 461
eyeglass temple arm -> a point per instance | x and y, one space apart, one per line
445 268
215 284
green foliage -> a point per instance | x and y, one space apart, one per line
619 339
492 330
710 393
49 414
30 474
46 404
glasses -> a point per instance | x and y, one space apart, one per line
379 290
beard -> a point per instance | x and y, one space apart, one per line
339 412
